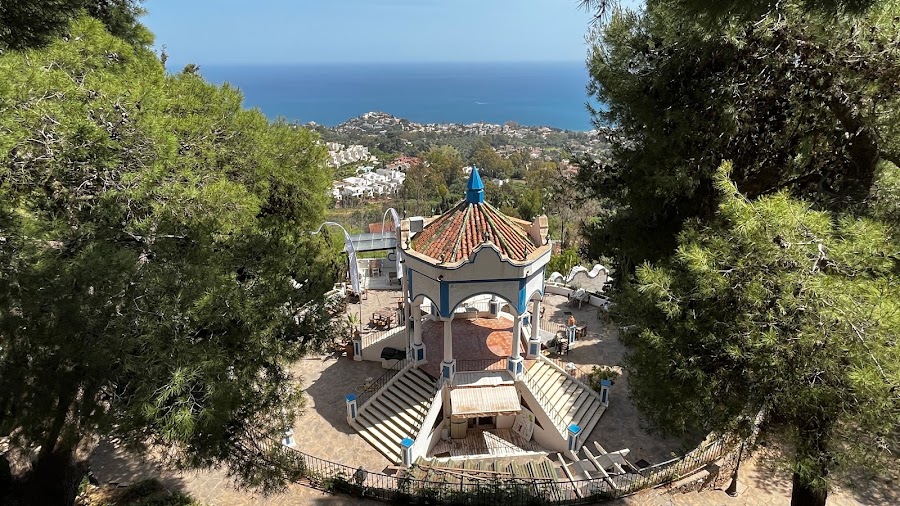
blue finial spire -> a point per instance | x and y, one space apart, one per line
475 188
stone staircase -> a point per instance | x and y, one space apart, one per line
396 412
566 400
474 471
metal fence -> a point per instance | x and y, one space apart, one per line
297 466
487 364
551 327
573 370
372 387
370 338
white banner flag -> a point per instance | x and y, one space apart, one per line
354 267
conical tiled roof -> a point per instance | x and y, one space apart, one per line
454 235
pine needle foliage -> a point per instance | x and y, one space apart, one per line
155 275
778 307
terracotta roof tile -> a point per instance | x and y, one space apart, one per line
454 235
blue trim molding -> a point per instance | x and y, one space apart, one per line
445 299
522 296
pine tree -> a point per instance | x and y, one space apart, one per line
773 306
155 279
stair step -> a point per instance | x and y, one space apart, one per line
545 375
383 412
414 386
389 430
402 399
561 394
405 394
575 403
419 392
420 377
551 386
411 414
592 421
377 441
586 406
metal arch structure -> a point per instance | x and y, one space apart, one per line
378 241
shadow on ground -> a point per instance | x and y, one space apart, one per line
327 389
857 486
113 464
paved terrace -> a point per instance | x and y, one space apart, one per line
488 339
323 431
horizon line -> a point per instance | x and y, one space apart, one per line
410 62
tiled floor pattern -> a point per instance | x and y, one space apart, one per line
485 339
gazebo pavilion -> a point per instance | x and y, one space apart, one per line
472 250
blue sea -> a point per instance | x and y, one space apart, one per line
537 94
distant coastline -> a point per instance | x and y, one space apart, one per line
549 94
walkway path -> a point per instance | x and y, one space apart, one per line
762 483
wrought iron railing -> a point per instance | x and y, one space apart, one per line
296 466
545 401
551 327
487 364
572 369
370 388
370 338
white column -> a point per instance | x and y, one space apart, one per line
404 295
534 344
417 320
418 345
448 366
517 337
515 364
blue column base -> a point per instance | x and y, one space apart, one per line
516 366
351 407
419 353
604 392
534 349
448 369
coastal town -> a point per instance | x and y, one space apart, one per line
370 176
372 128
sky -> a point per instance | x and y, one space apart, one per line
346 31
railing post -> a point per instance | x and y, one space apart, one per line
351 408
357 347
288 439
534 348
406 451
574 431
604 392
